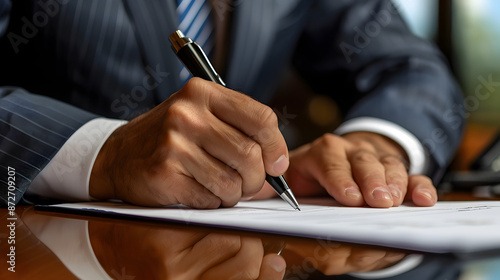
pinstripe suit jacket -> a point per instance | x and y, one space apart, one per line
65 62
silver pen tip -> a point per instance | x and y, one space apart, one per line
290 198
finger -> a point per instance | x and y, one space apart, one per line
369 173
254 119
238 151
266 192
396 178
332 170
222 181
273 267
210 251
194 195
245 264
421 190
390 259
163 189
362 259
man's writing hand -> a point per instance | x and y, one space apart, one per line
206 146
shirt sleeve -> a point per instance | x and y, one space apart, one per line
67 175
73 248
412 146
408 263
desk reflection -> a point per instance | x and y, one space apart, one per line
101 248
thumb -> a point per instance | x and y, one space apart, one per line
273 267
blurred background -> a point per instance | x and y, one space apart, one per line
468 33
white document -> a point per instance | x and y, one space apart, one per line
448 227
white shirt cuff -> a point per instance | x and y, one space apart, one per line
412 146
67 175
69 240
408 263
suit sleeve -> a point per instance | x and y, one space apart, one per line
33 128
363 55
5 6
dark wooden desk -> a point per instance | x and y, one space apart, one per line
128 249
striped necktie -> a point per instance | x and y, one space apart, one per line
196 23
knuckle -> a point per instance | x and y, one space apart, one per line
362 145
391 160
181 117
216 244
333 168
230 180
198 89
363 156
176 112
251 152
192 84
398 177
423 180
328 141
203 202
190 197
396 180
337 176
363 263
229 185
329 137
267 117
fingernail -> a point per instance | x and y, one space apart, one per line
278 264
281 165
426 194
352 192
395 191
381 194
246 198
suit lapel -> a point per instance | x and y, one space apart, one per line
154 21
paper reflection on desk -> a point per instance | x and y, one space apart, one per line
120 249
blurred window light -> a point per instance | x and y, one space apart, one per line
420 15
476 55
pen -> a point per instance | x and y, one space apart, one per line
197 63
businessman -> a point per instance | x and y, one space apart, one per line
95 105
